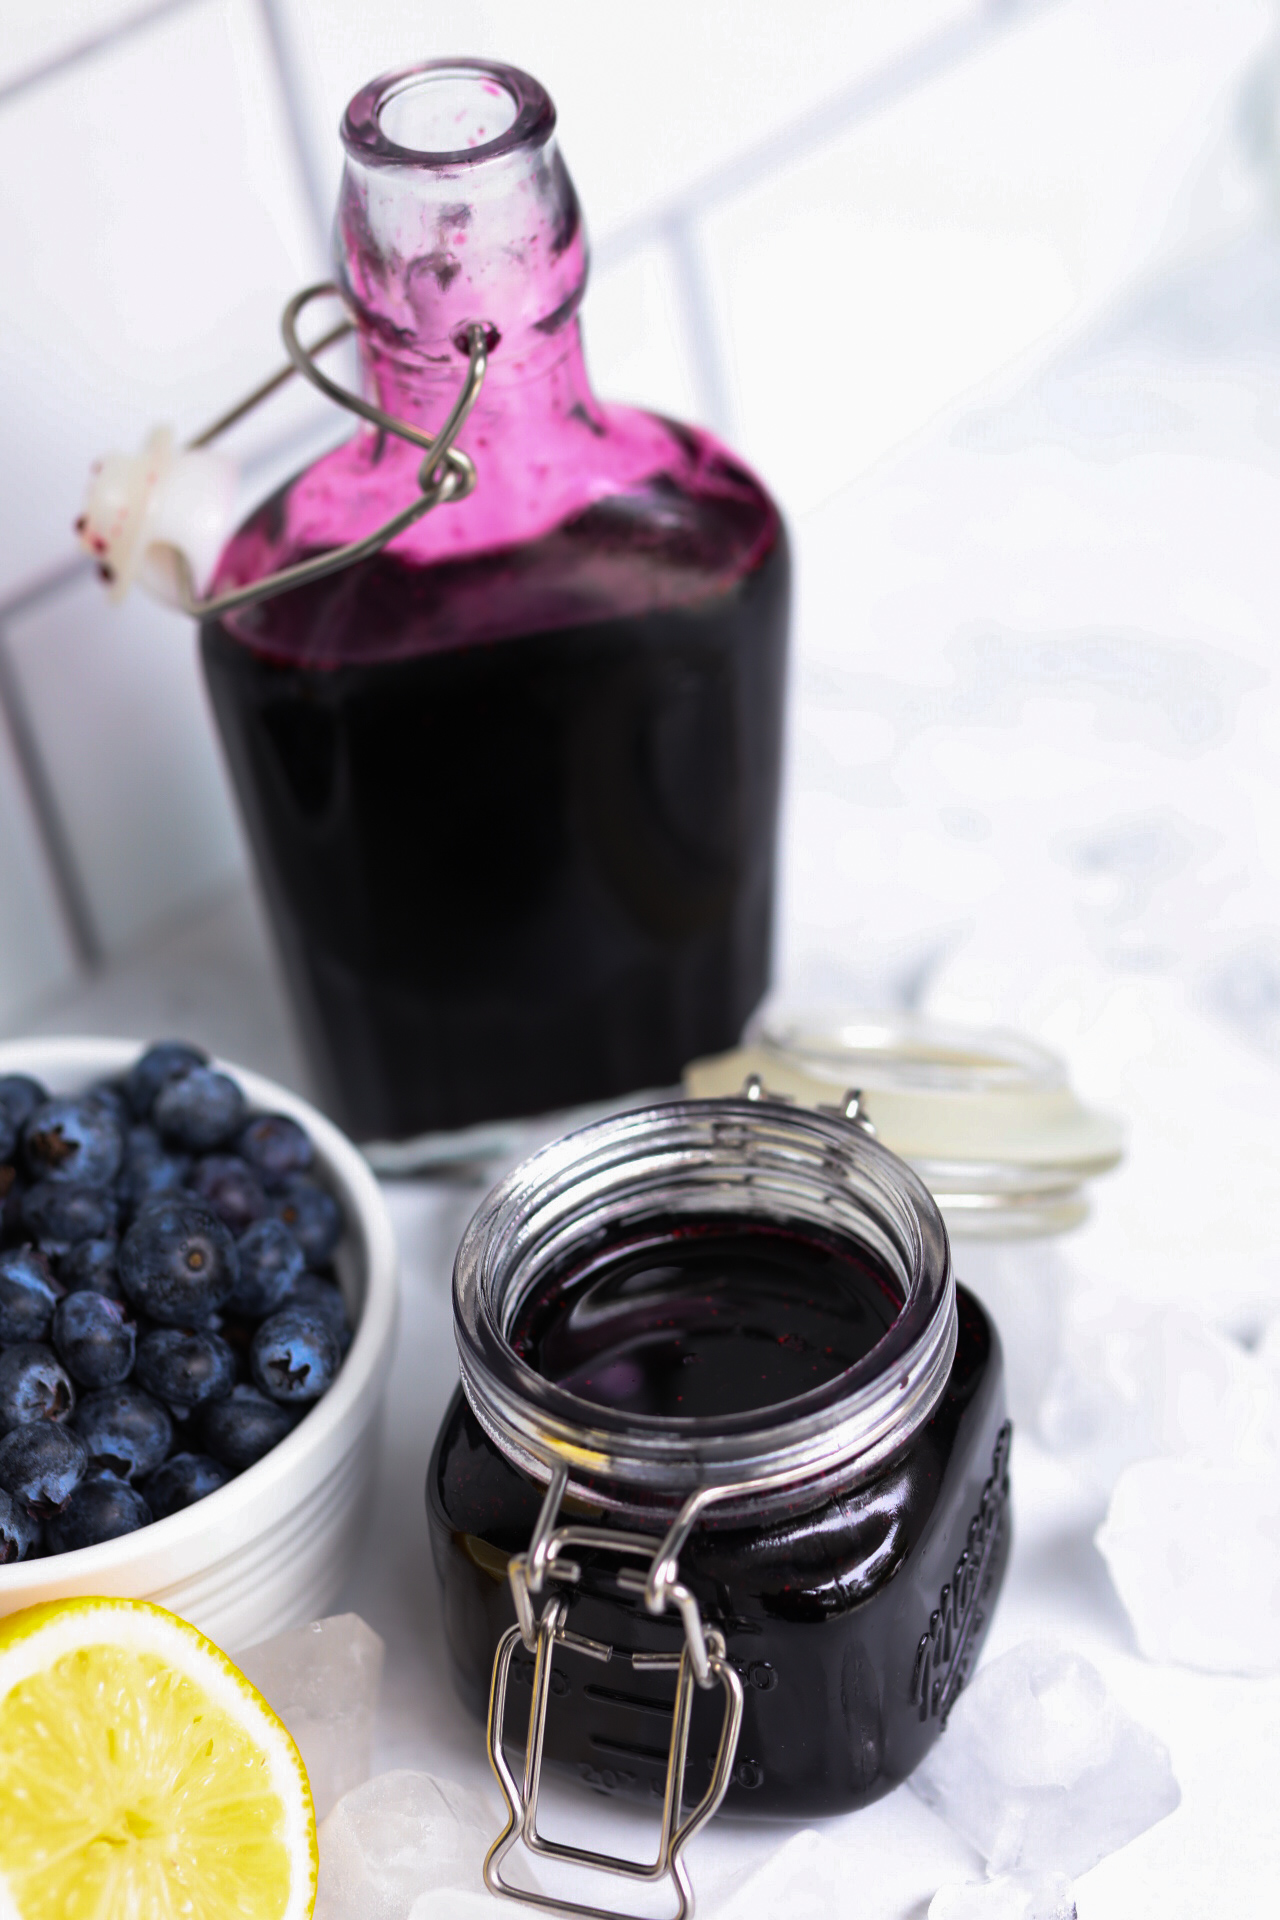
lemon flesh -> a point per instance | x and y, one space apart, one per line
142 1777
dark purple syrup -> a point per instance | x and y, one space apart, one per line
853 1614
705 1319
514 813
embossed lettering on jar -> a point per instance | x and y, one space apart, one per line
752 1305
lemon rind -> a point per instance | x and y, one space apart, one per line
35 1638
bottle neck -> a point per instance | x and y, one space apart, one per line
428 242
544 387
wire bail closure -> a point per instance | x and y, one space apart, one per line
701 1662
446 473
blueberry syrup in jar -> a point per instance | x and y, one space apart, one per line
511 783
807 1318
691 1320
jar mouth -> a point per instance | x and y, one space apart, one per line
447 114
700 1158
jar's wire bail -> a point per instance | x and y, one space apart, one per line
123 496
702 1662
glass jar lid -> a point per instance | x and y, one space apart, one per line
699 1158
988 1119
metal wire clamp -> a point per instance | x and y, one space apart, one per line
701 1662
446 473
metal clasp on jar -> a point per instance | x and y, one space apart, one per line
702 1662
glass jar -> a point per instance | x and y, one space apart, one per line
830 1558
512 781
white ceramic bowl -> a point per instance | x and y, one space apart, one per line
270 1549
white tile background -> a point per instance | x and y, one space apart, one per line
821 229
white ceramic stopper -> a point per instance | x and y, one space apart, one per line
144 509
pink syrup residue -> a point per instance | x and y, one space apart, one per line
538 462
422 252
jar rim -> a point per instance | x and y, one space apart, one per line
532 121
737 1156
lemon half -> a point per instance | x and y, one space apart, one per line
141 1776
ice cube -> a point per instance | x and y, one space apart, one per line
1193 1547
1041 1770
323 1681
399 1836
1135 1382
1009 1896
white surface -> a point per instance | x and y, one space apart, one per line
215 979
268 1550
1209 1857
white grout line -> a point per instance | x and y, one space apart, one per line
64 871
93 43
292 93
868 96
702 335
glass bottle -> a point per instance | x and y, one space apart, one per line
511 783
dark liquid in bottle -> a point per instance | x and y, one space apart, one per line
707 1319
518 845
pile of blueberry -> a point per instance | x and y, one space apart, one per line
167 1307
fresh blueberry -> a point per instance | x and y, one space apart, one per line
163 1061
148 1169
230 1187
199 1110
90 1266
315 1295
124 1430
59 1216
181 1481
99 1509
178 1263
294 1356
19 1530
111 1094
240 1429
94 1339
10 1201
271 1261
311 1214
20 1095
41 1466
276 1146
33 1386
28 1295
8 1138
78 1141
184 1368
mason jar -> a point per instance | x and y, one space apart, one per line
725 1416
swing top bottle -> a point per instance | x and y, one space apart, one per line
511 783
